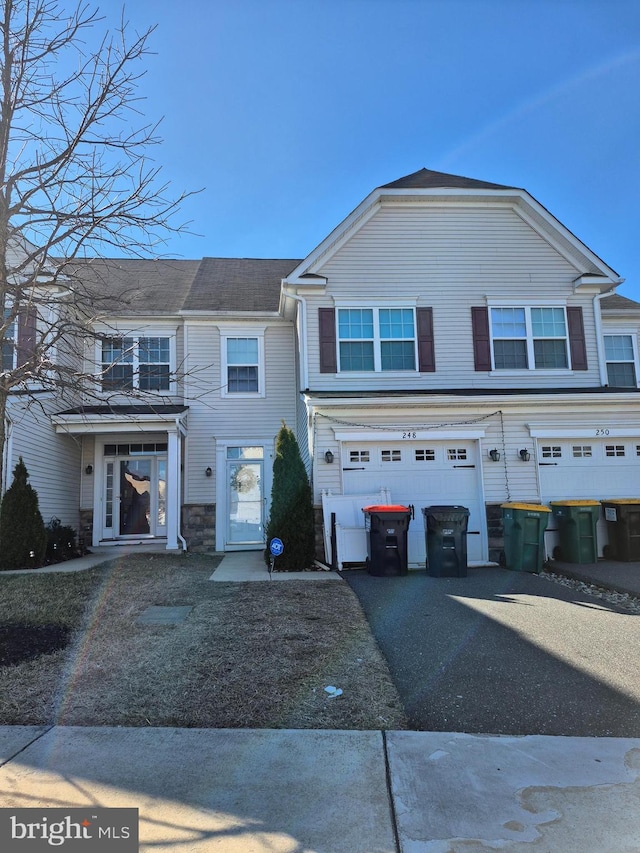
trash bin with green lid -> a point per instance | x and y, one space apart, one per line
387 528
622 516
524 526
576 522
446 540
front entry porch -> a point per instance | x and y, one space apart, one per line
131 472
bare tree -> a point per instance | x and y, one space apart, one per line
76 182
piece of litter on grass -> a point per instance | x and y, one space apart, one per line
333 691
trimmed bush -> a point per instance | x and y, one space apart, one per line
23 538
291 516
61 542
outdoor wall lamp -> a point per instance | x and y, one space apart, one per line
494 455
524 454
207 471
88 470
328 457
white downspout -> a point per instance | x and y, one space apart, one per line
304 368
179 490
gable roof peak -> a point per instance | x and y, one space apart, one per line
427 179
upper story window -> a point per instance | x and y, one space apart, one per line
621 361
376 339
142 363
242 365
242 359
525 338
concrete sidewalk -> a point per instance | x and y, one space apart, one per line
316 791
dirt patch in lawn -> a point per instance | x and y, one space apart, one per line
256 655
24 642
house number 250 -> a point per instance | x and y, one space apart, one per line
409 435
602 432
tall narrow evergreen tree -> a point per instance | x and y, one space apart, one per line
23 537
291 516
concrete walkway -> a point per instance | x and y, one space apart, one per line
316 791
240 566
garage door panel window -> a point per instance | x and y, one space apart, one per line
551 451
582 451
614 450
377 339
621 361
425 455
527 338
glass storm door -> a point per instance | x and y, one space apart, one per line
245 519
135 497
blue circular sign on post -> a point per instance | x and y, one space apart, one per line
276 547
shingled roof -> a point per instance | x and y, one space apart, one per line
166 287
616 302
426 179
135 286
238 284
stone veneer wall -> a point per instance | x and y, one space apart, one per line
199 526
319 530
86 527
495 530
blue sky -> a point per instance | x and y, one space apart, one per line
289 112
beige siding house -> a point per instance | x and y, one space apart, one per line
446 318
450 342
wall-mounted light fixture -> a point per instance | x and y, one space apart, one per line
328 457
207 471
88 470
494 455
524 454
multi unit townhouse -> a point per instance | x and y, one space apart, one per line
450 342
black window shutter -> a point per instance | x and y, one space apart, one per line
481 340
577 343
426 351
327 325
27 319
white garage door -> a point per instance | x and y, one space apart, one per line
571 469
589 468
422 473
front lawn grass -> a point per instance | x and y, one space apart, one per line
255 655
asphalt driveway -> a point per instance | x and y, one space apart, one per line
502 652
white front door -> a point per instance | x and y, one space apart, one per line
134 497
245 499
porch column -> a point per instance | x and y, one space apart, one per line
173 488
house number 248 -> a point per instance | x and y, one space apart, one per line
409 435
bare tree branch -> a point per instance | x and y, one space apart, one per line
77 181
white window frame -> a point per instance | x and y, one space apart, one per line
529 339
377 340
247 332
137 335
634 343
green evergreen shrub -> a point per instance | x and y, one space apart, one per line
291 515
61 542
23 538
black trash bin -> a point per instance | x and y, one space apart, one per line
387 528
446 539
623 526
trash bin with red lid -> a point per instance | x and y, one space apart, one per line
387 528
